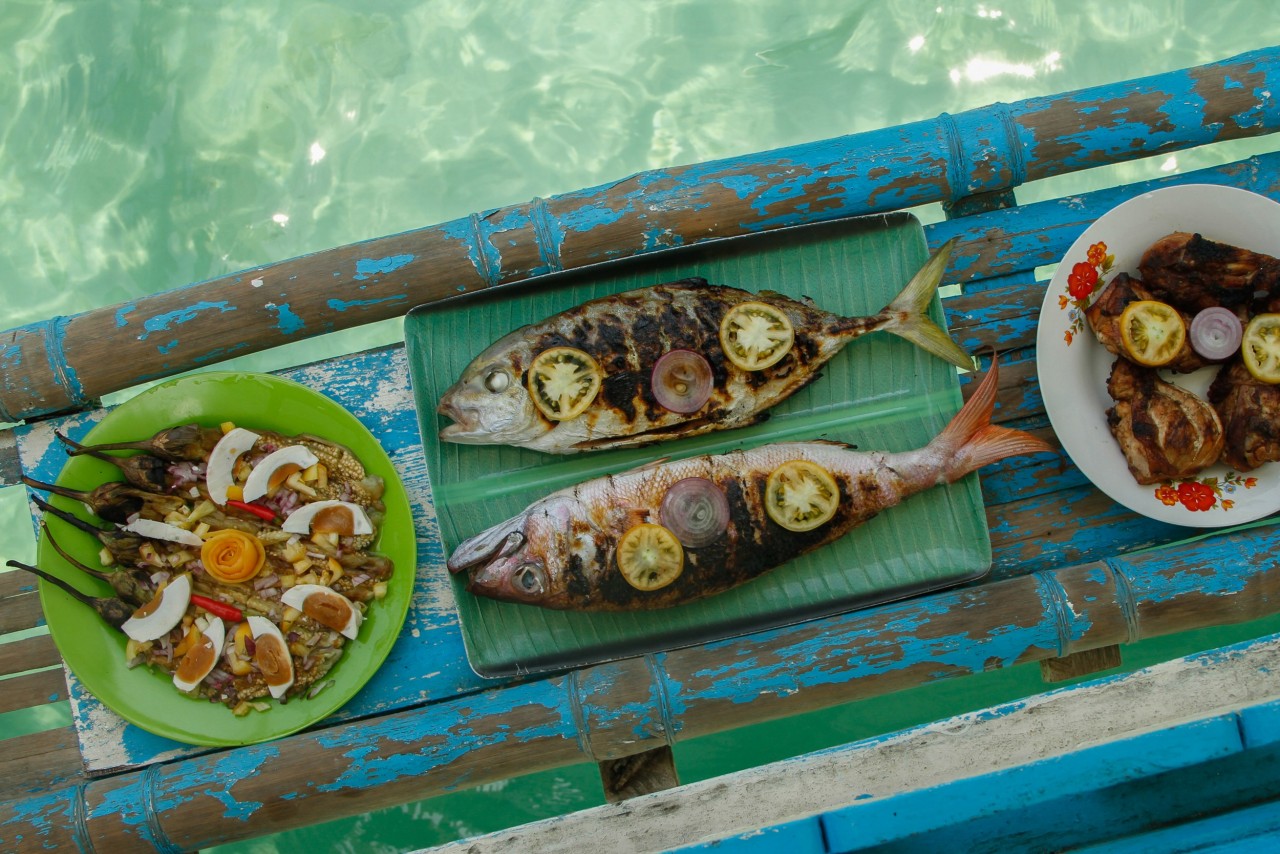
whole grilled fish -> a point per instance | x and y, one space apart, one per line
562 551
628 333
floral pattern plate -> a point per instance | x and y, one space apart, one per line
1073 367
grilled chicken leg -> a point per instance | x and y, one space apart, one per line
1164 432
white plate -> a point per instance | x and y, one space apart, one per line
1073 367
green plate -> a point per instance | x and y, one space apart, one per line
95 652
879 393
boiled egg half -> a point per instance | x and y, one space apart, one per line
222 462
329 517
157 618
202 657
326 606
271 654
276 467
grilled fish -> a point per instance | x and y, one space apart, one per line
1192 273
1104 318
1250 413
562 551
493 401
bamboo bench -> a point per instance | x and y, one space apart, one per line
1074 575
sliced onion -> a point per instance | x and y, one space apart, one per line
682 381
696 510
1216 332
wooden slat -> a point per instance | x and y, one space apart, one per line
39 762
20 612
27 654
14 583
33 689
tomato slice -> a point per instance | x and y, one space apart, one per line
1152 332
801 495
1260 347
563 381
755 335
650 557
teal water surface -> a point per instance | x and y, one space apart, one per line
149 144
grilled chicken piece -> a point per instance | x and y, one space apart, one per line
1104 318
1164 432
1250 413
1193 273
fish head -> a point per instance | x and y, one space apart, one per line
489 404
520 560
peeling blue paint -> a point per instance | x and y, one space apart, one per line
343 305
165 348
121 320
287 320
367 267
162 322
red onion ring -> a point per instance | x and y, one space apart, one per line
696 510
1216 333
682 381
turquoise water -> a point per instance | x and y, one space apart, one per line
146 145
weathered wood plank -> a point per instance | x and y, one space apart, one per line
28 654
1081 663
638 774
37 763
33 689
67 362
857 789
20 612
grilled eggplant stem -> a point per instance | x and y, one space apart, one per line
114 612
142 470
188 442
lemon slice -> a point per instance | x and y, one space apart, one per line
755 335
1152 332
650 557
1260 347
563 381
801 495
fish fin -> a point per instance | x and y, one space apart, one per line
971 441
907 316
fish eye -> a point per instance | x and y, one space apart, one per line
529 579
497 381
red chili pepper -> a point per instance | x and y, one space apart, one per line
264 513
218 609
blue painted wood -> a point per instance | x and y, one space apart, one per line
965 812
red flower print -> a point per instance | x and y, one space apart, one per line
1227 504
1196 496
1068 335
1082 279
1250 482
1167 494
1097 253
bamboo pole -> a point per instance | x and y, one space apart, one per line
627 707
67 362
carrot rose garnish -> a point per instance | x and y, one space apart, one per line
233 556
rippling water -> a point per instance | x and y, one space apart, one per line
146 145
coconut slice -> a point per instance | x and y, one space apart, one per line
222 462
154 530
274 468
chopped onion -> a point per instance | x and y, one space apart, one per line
1216 332
682 381
696 510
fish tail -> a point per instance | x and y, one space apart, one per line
971 441
907 316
